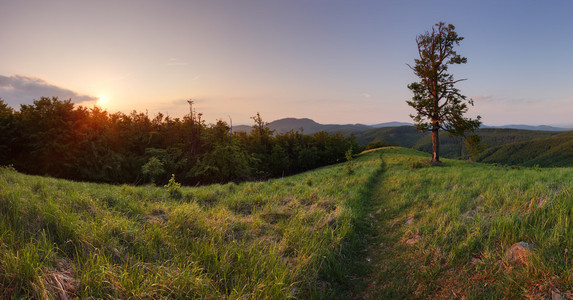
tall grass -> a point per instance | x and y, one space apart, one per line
444 231
276 239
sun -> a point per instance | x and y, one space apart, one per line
102 101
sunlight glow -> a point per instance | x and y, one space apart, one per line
102 101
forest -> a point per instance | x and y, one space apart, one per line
58 138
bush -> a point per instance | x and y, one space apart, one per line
174 188
349 164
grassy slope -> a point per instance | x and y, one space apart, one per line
274 239
555 151
408 136
283 237
467 216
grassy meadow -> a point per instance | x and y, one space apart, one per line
283 238
388 226
444 232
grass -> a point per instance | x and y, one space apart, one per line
390 229
442 232
284 238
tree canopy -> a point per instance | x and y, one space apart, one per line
438 103
57 138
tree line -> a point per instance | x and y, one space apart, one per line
53 137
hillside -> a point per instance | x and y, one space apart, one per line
554 151
528 143
469 231
409 137
392 228
493 138
259 240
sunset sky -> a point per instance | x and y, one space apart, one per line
332 61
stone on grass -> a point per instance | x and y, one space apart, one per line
413 240
475 260
556 294
409 220
519 252
469 214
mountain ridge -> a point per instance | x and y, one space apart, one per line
309 126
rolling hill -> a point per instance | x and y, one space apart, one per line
511 144
409 137
393 228
278 239
553 151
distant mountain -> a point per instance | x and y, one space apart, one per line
391 124
245 128
530 127
287 124
307 126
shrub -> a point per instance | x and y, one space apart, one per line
174 188
349 164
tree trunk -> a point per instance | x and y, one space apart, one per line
435 145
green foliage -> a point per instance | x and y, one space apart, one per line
57 138
174 188
554 151
438 103
7 134
348 167
153 168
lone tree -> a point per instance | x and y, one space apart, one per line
438 103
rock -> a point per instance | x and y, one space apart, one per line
475 260
519 252
409 221
469 214
556 294
413 240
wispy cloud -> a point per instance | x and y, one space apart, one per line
484 97
176 62
16 90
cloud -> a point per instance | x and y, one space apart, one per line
16 90
175 62
366 95
484 97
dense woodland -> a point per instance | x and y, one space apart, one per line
58 138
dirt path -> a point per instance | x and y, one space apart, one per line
386 258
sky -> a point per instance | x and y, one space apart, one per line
336 62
